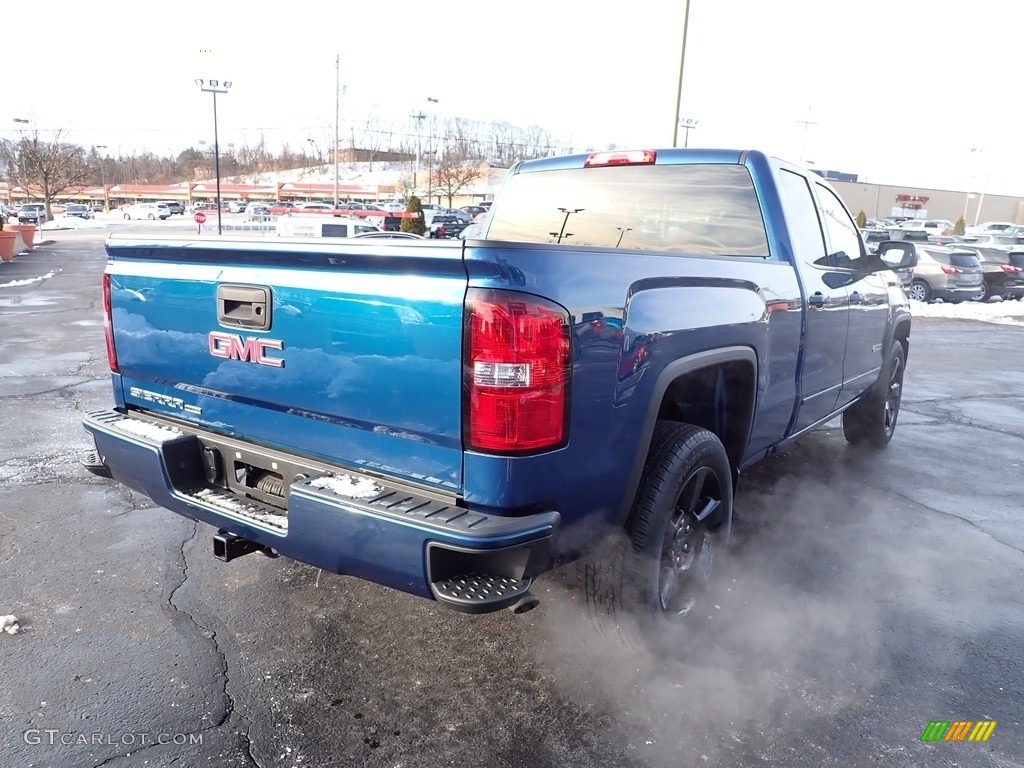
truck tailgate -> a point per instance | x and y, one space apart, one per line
349 352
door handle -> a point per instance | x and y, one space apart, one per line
817 300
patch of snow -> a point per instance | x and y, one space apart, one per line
29 281
1002 312
345 485
74 222
240 507
154 432
9 624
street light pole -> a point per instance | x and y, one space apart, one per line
10 188
215 87
568 212
103 179
679 84
687 124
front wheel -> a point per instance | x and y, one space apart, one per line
872 421
662 571
919 291
127 217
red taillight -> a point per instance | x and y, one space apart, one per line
629 157
108 327
1010 268
516 372
952 270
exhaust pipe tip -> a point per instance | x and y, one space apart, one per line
524 604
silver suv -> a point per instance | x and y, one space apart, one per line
32 213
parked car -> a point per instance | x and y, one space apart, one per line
939 272
32 213
872 237
993 240
446 225
146 211
473 210
989 227
279 207
77 210
322 226
931 226
174 206
1002 271
257 211
314 207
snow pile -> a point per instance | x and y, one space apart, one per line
1003 312
74 222
29 281
344 485
9 624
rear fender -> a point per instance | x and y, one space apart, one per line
673 372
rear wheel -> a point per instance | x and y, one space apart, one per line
919 291
151 217
872 421
661 572
983 294
127 216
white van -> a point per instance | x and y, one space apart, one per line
322 226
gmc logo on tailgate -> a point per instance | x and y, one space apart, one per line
251 349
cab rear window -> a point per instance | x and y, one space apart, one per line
706 209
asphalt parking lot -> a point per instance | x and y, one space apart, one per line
869 596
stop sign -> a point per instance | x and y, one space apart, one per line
200 217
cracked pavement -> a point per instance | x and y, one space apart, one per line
866 596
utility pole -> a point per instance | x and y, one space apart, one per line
430 156
337 110
419 117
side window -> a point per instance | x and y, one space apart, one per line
802 220
845 245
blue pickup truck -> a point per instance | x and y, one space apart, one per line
453 419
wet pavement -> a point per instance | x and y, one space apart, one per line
867 596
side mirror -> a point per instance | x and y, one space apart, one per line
909 261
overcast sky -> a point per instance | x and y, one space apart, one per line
895 92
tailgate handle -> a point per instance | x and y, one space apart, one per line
244 306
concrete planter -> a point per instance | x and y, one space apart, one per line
28 234
9 241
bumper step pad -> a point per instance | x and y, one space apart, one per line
479 592
91 461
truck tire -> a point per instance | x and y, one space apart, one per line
659 573
872 421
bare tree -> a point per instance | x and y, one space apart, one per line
455 170
44 166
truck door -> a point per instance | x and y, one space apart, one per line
826 315
867 292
